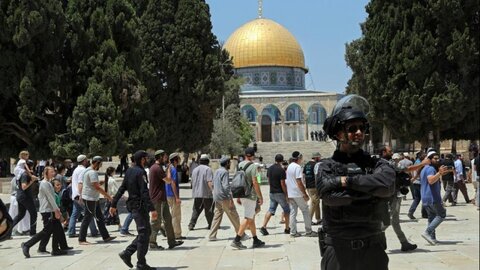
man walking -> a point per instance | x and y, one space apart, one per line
173 196
201 192
249 203
460 180
309 173
223 200
431 197
91 195
298 197
278 194
158 178
77 186
395 202
139 203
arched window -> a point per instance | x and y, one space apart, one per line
294 113
249 112
317 114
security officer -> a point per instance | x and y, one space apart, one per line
135 182
355 189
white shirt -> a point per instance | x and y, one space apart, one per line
294 172
77 177
472 169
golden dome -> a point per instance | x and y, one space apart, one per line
263 42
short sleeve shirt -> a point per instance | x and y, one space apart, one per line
275 175
201 175
157 185
27 193
430 193
250 174
294 172
168 187
89 192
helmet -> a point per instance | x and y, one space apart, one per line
350 107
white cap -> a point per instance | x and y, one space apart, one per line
432 152
81 158
396 156
204 156
406 154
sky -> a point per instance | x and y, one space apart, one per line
322 27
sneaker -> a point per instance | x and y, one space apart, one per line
408 247
59 252
238 245
429 238
264 231
245 237
295 235
258 243
287 231
154 246
126 258
410 215
109 239
25 250
311 234
176 244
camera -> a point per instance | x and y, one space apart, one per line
402 182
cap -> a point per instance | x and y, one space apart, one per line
316 154
406 154
81 158
296 155
249 151
172 156
278 158
159 152
396 156
204 157
68 160
97 159
431 153
224 161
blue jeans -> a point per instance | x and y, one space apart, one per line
126 223
436 215
76 210
275 200
416 198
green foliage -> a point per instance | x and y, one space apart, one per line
108 77
418 63
183 72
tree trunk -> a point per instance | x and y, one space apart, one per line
386 138
454 146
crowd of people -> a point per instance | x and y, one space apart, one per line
70 193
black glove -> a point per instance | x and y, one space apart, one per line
327 184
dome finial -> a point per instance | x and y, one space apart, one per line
260 9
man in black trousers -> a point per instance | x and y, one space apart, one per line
135 182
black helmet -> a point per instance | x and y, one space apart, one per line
351 107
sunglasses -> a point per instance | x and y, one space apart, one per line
354 128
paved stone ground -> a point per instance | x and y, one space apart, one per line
459 247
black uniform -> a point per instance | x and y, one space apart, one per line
353 216
135 182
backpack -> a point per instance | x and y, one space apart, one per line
239 185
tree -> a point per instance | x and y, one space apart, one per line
182 71
418 62
103 43
32 75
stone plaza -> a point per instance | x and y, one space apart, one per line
458 248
